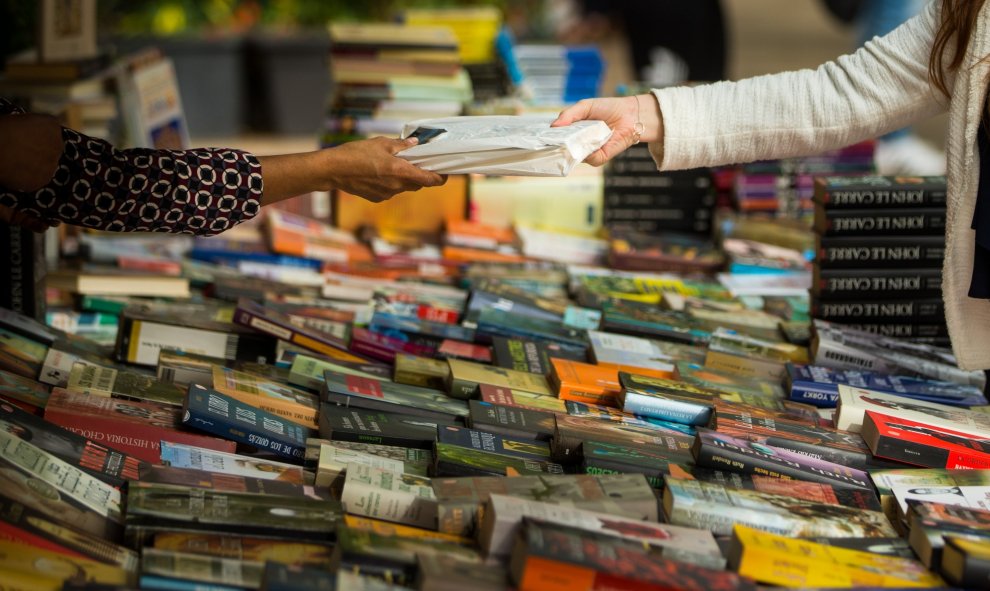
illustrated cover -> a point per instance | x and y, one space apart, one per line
520 399
930 522
191 457
38 568
465 376
20 355
817 385
571 431
717 508
339 423
23 391
383 347
584 382
182 368
493 443
131 427
503 516
245 548
86 378
187 568
492 322
307 372
854 402
782 560
521 423
384 322
451 349
530 355
372 394
271 396
965 561
456 460
649 321
414 461
698 375
210 411
724 452
608 413
181 507
334 460
392 496
275 324
652 461
726 340
688 409
549 555
104 463
920 444
632 354
191 477
421 371
629 495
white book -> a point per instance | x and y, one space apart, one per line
854 402
390 496
334 460
179 455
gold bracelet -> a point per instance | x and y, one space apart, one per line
638 127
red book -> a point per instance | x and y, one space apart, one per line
465 350
921 444
151 265
135 428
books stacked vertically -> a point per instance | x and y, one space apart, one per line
386 74
554 75
640 199
878 263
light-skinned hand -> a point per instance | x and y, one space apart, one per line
624 115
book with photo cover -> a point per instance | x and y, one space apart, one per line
177 455
392 496
355 391
517 422
271 396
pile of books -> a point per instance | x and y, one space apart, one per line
553 75
319 412
880 247
385 75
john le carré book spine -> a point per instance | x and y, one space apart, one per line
210 411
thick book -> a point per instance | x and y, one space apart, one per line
854 402
503 515
371 394
869 222
875 191
522 423
23 267
879 252
931 521
134 428
551 556
781 560
966 562
339 423
215 413
392 496
182 508
105 463
188 457
465 376
460 499
921 311
724 452
920 444
859 284
419 371
584 382
280 326
819 386
718 508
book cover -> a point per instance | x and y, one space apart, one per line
345 390
414 461
86 378
584 382
276 398
724 452
529 355
36 568
918 311
131 427
182 508
420 371
384 347
493 443
333 462
817 385
633 354
885 480
920 444
456 460
854 402
520 399
223 416
966 562
698 375
20 355
856 284
688 410
652 461
307 372
522 423
492 322
24 267
930 522
275 324
26 393
451 349
555 557
465 376
641 321
718 508
339 423
224 482
460 499
571 431
197 569
177 455
385 322
781 560
392 496
445 573
879 251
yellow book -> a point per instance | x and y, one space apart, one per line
28 567
389 529
778 560
292 404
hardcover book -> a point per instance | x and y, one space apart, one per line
719 508
871 191
460 499
925 221
879 251
344 390
856 284
215 413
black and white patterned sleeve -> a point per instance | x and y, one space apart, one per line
202 191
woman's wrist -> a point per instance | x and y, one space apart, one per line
648 109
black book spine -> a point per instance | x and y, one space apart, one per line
936 334
859 284
897 222
866 197
635 197
361 428
348 400
652 226
22 265
879 252
975 570
880 311
863 460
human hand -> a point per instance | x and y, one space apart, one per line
370 169
631 118
15 217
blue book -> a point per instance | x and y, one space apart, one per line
686 412
215 413
170 584
819 386
383 322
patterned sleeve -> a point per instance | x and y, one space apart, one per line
202 191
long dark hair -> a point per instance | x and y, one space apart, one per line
953 35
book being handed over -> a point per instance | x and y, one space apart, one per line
502 145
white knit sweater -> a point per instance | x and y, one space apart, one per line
879 88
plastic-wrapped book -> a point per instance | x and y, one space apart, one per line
502 145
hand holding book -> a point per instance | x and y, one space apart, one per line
632 119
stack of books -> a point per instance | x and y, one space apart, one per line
880 246
385 75
505 424
555 75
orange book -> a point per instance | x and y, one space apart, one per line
292 404
300 236
475 255
424 210
643 371
584 382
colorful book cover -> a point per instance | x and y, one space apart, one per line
18 389
520 398
698 375
245 548
920 444
289 403
853 402
819 386
419 371
493 443
584 382
374 394
456 460
307 372
523 423
191 457
632 354
465 376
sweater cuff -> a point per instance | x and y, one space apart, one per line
676 152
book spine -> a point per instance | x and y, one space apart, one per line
597 466
858 460
871 197
860 284
348 400
877 253
23 268
880 311
628 197
916 453
901 330
820 395
320 342
579 395
665 409
920 222
214 413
